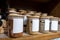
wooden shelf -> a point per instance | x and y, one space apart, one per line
36 37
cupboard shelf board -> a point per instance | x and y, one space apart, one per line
36 37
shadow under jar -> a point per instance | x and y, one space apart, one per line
15 26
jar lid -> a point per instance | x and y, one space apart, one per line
44 14
23 12
33 16
45 17
31 12
12 10
15 15
12 16
38 14
54 18
27 15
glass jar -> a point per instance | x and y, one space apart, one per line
44 24
54 24
33 25
15 25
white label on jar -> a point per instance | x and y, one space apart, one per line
35 24
17 25
47 24
54 25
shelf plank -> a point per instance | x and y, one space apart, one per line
36 37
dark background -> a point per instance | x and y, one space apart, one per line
34 5
37 5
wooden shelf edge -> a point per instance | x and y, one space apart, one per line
36 37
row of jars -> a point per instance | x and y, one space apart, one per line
31 23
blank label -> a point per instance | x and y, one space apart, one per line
47 24
17 25
54 25
35 24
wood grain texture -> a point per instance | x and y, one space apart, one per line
56 11
36 37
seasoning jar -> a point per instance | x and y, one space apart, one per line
44 24
54 24
15 25
33 25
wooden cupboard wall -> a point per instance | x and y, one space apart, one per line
56 11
